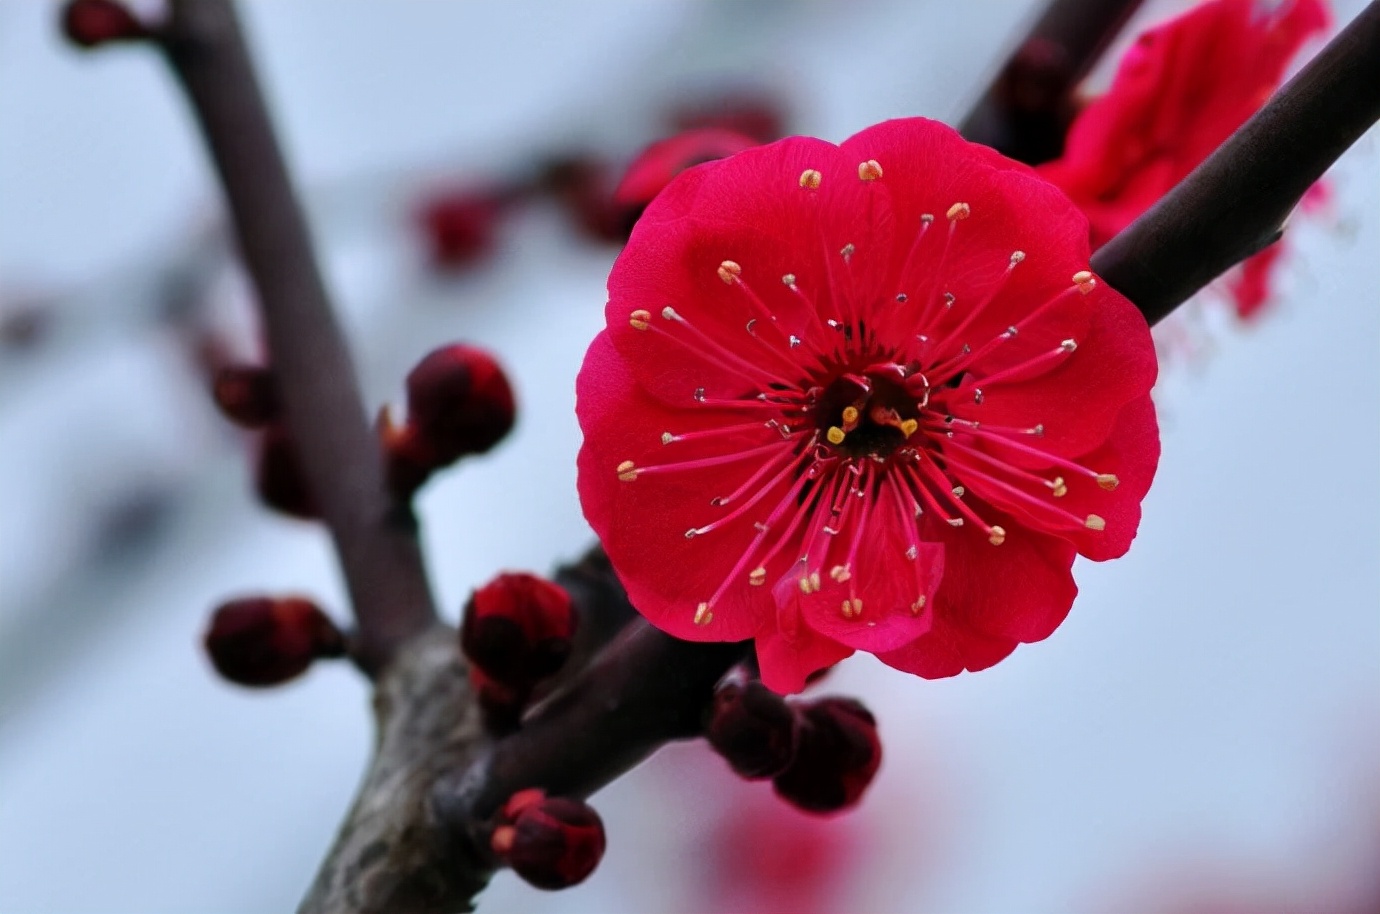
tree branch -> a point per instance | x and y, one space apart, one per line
1024 112
1235 203
375 537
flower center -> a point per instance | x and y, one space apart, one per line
872 412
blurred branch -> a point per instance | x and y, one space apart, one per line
1235 203
375 537
1025 112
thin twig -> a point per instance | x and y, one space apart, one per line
1234 204
375 537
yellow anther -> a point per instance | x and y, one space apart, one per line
667 437
729 271
627 471
835 435
958 211
1058 487
1085 281
918 605
1108 481
703 615
959 491
840 573
869 170
852 608
909 426
996 536
640 319
810 178
809 583
1095 522
757 576
850 415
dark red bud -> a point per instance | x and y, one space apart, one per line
837 756
280 479
583 186
551 842
753 728
90 23
408 461
246 395
264 641
459 402
656 165
744 111
460 225
518 628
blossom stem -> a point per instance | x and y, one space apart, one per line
1234 204
375 537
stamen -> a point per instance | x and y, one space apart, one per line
640 319
996 536
703 615
1021 368
852 608
627 471
718 353
835 435
994 435
810 178
1085 281
958 211
1094 522
1108 481
668 437
729 271
869 170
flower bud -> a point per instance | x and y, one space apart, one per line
518 628
656 165
460 225
91 23
246 395
583 186
551 842
280 479
459 401
837 756
753 728
264 641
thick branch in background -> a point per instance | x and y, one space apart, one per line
375 537
1235 203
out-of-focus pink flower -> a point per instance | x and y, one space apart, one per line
1179 92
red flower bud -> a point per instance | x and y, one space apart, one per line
279 478
583 186
656 165
459 401
90 23
551 842
264 641
518 628
753 729
755 114
246 395
838 754
459 225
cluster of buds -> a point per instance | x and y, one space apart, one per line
266 641
459 402
517 631
460 224
247 395
551 842
820 755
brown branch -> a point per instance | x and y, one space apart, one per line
375 538
1235 203
1026 110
